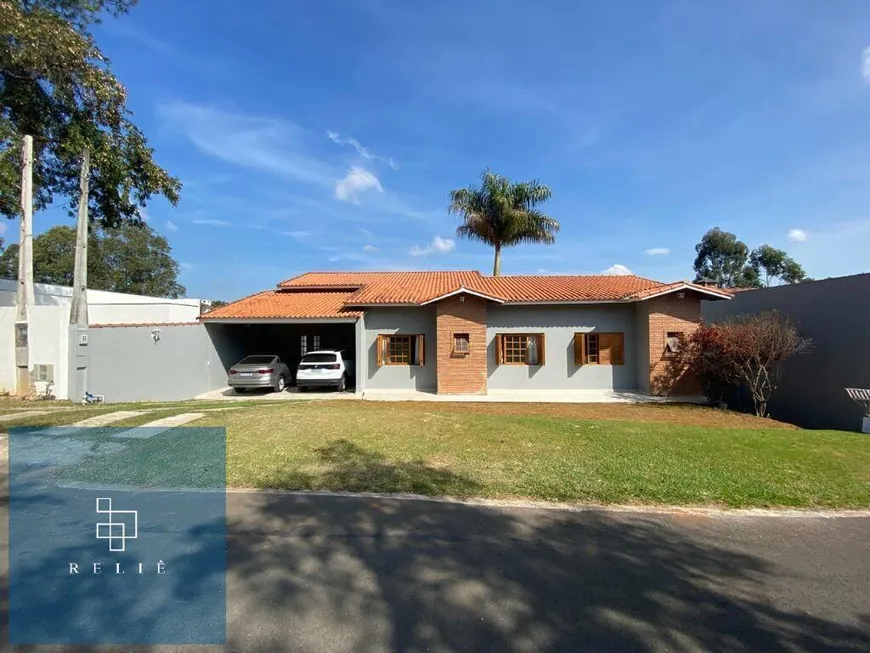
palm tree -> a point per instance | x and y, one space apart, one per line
502 213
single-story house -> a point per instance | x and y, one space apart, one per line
461 332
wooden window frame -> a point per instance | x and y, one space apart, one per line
303 345
315 345
459 337
611 342
416 352
501 349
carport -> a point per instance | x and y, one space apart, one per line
289 324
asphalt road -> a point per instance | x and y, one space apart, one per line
331 574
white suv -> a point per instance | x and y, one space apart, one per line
326 368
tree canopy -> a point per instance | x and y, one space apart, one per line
722 258
57 86
130 258
774 266
503 213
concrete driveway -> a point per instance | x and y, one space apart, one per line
290 394
327 573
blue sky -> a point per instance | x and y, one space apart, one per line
318 136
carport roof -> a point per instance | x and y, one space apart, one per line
272 304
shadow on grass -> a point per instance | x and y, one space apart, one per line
346 466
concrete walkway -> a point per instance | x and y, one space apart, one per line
158 426
107 418
493 396
22 414
532 396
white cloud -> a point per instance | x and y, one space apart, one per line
212 223
438 244
616 270
370 248
261 143
335 137
797 235
187 266
357 180
542 271
298 235
2 226
657 251
171 226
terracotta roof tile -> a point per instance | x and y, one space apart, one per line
276 304
317 295
564 288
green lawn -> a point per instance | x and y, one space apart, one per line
651 454
657 455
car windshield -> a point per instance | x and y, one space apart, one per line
319 358
256 360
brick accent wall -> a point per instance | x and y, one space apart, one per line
461 373
671 314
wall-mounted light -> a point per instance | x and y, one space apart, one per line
155 334
461 298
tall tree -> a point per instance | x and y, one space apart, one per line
774 266
129 259
502 213
57 86
723 259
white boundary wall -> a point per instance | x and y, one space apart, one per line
49 320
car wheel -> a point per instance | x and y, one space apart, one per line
281 385
240 391
342 384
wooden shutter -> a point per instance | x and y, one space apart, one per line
382 343
542 351
499 349
617 349
604 357
580 349
421 350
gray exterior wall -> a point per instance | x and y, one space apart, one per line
126 364
835 313
641 320
558 324
409 320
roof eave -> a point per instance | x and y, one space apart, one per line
716 294
460 291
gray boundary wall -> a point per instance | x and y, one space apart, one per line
126 363
835 313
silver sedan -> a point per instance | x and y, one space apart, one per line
260 371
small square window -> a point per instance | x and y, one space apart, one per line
461 343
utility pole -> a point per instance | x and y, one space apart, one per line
78 315
25 296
